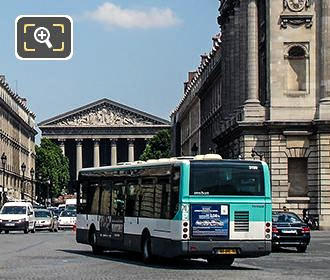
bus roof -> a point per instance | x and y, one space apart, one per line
159 162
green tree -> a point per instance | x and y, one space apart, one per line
52 167
158 146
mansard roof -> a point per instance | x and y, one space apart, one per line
101 113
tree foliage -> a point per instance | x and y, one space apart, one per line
158 146
52 166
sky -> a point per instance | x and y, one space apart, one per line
135 52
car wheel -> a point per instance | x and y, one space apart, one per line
146 250
26 231
221 261
0 230
56 229
302 248
6 231
97 250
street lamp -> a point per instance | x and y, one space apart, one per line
32 175
48 186
3 161
23 168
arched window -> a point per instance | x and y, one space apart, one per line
297 69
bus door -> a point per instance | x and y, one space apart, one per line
117 212
105 218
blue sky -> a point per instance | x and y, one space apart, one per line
136 52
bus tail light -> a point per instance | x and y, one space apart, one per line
185 230
268 229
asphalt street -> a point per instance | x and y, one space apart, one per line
45 255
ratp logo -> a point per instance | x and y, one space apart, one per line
44 37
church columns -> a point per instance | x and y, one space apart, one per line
131 149
78 156
62 145
96 155
113 151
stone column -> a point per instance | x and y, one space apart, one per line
253 111
252 53
62 145
96 155
325 61
113 151
78 156
236 59
131 149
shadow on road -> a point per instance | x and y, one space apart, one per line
286 250
161 263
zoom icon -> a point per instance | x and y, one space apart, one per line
44 37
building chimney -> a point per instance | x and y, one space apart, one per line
191 75
203 58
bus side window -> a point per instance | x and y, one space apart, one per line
132 200
118 199
105 198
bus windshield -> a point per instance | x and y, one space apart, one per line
218 178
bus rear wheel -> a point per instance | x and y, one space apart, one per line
221 261
97 250
146 250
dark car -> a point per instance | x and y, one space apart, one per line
289 230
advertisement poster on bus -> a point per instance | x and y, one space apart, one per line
210 220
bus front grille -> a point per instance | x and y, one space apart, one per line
241 221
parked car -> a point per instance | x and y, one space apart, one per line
17 216
67 219
289 230
45 220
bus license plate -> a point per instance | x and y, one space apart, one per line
9 225
226 252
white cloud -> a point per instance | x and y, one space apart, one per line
114 16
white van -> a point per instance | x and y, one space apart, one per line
17 216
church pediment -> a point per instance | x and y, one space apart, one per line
104 113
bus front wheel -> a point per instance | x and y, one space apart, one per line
146 250
221 261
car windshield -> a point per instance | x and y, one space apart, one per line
42 214
286 218
68 214
20 210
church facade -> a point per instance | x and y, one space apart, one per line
101 133
263 92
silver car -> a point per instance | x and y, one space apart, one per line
45 220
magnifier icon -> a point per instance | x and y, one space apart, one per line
42 35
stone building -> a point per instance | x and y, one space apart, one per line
17 147
101 133
264 91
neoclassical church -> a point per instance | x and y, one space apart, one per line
101 133
263 91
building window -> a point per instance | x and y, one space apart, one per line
298 181
297 75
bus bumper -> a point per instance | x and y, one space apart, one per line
194 248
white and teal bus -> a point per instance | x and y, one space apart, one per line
198 207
